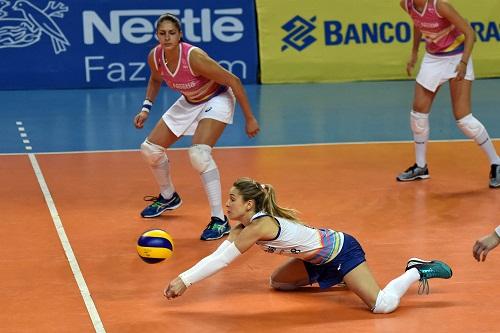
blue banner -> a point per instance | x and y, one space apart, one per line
98 44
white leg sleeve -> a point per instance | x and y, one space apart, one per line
157 159
388 298
475 130
420 128
202 161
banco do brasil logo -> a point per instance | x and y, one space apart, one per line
299 33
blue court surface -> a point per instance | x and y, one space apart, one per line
291 114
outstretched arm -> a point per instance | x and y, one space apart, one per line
486 244
222 257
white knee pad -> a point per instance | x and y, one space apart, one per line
153 154
386 303
201 158
471 127
419 123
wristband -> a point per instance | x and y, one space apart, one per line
146 105
463 62
497 230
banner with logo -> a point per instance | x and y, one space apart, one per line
103 43
333 40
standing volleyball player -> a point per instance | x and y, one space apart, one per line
204 109
322 256
449 39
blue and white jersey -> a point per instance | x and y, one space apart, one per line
317 246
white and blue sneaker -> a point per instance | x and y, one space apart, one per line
216 229
160 205
414 173
495 176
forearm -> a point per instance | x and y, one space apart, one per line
241 97
468 45
417 37
153 89
210 265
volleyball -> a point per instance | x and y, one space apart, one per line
155 245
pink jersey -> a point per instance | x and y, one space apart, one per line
441 37
195 88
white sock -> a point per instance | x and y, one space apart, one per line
399 286
211 183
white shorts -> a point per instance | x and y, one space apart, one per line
182 117
436 70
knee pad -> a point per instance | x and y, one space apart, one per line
153 154
201 158
419 123
470 126
386 302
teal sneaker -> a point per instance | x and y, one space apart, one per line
429 269
216 229
160 205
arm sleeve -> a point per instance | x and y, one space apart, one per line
497 230
210 265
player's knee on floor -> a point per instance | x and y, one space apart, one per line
153 153
386 303
470 126
419 123
282 286
201 158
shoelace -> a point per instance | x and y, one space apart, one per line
155 200
423 287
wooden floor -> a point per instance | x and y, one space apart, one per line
351 188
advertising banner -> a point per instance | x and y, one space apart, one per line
102 43
333 40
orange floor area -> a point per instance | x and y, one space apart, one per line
351 188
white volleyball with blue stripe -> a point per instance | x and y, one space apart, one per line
155 245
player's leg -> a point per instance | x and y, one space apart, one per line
461 102
290 276
419 122
207 133
154 151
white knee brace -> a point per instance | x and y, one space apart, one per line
153 154
201 158
420 124
471 127
386 303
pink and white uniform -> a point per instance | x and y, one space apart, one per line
195 88
201 97
441 37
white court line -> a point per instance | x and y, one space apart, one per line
75 268
245 147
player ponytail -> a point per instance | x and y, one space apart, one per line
264 197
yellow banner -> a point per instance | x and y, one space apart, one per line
333 40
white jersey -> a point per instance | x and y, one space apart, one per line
317 246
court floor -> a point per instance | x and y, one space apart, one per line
72 189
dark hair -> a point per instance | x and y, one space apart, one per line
168 17
264 197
